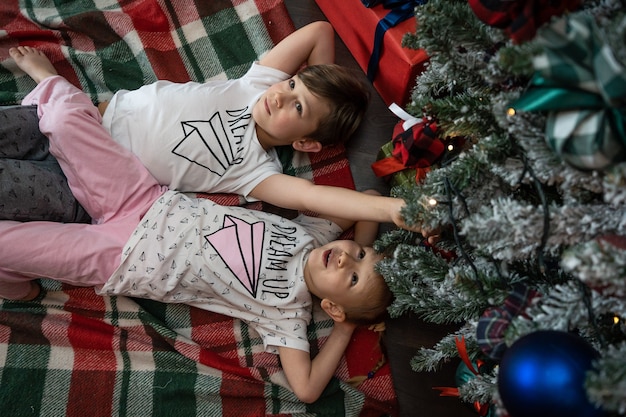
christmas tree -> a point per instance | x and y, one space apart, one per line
530 202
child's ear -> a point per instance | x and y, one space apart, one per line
335 311
307 145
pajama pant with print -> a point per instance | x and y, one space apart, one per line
111 184
32 185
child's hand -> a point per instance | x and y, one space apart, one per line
398 219
432 235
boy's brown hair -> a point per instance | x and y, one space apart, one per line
347 95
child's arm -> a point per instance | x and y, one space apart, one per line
312 44
307 377
365 232
300 194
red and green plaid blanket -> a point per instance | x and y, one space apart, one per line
105 45
73 353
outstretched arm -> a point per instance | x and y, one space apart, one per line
330 202
312 44
365 232
307 377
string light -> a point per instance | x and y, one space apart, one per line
510 111
450 148
616 320
432 202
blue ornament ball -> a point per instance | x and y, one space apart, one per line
543 375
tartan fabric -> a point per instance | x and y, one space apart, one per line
419 146
107 45
76 353
393 170
581 84
491 328
407 158
73 353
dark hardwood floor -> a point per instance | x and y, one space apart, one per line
404 335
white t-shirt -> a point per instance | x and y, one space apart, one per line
197 137
242 263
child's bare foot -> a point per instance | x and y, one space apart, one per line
33 62
35 290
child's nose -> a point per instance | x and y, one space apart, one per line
344 260
280 99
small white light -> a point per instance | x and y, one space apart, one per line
432 202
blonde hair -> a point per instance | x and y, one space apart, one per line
373 309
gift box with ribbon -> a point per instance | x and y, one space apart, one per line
373 31
414 148
581 87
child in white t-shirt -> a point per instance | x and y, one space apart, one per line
220 136
153 242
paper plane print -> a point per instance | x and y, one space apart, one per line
240 245
207 144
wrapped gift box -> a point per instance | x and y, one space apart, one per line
398 67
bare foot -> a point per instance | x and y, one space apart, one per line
33 62
35 290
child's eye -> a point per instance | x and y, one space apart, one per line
292 84
362 254
299 108
355 279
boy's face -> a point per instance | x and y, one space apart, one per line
287 112
341 271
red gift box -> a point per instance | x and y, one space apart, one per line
398 67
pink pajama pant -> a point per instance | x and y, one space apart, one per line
107 179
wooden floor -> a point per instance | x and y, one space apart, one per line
405 335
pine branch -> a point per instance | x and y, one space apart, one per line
428 360
600 265
482 388
508 206
615 185
508 229
606 383
445 26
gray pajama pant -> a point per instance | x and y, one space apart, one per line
32 185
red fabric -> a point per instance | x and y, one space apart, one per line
387 166
520 19
331 167
398 67
417 148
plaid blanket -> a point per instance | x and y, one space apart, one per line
107 45
71 352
